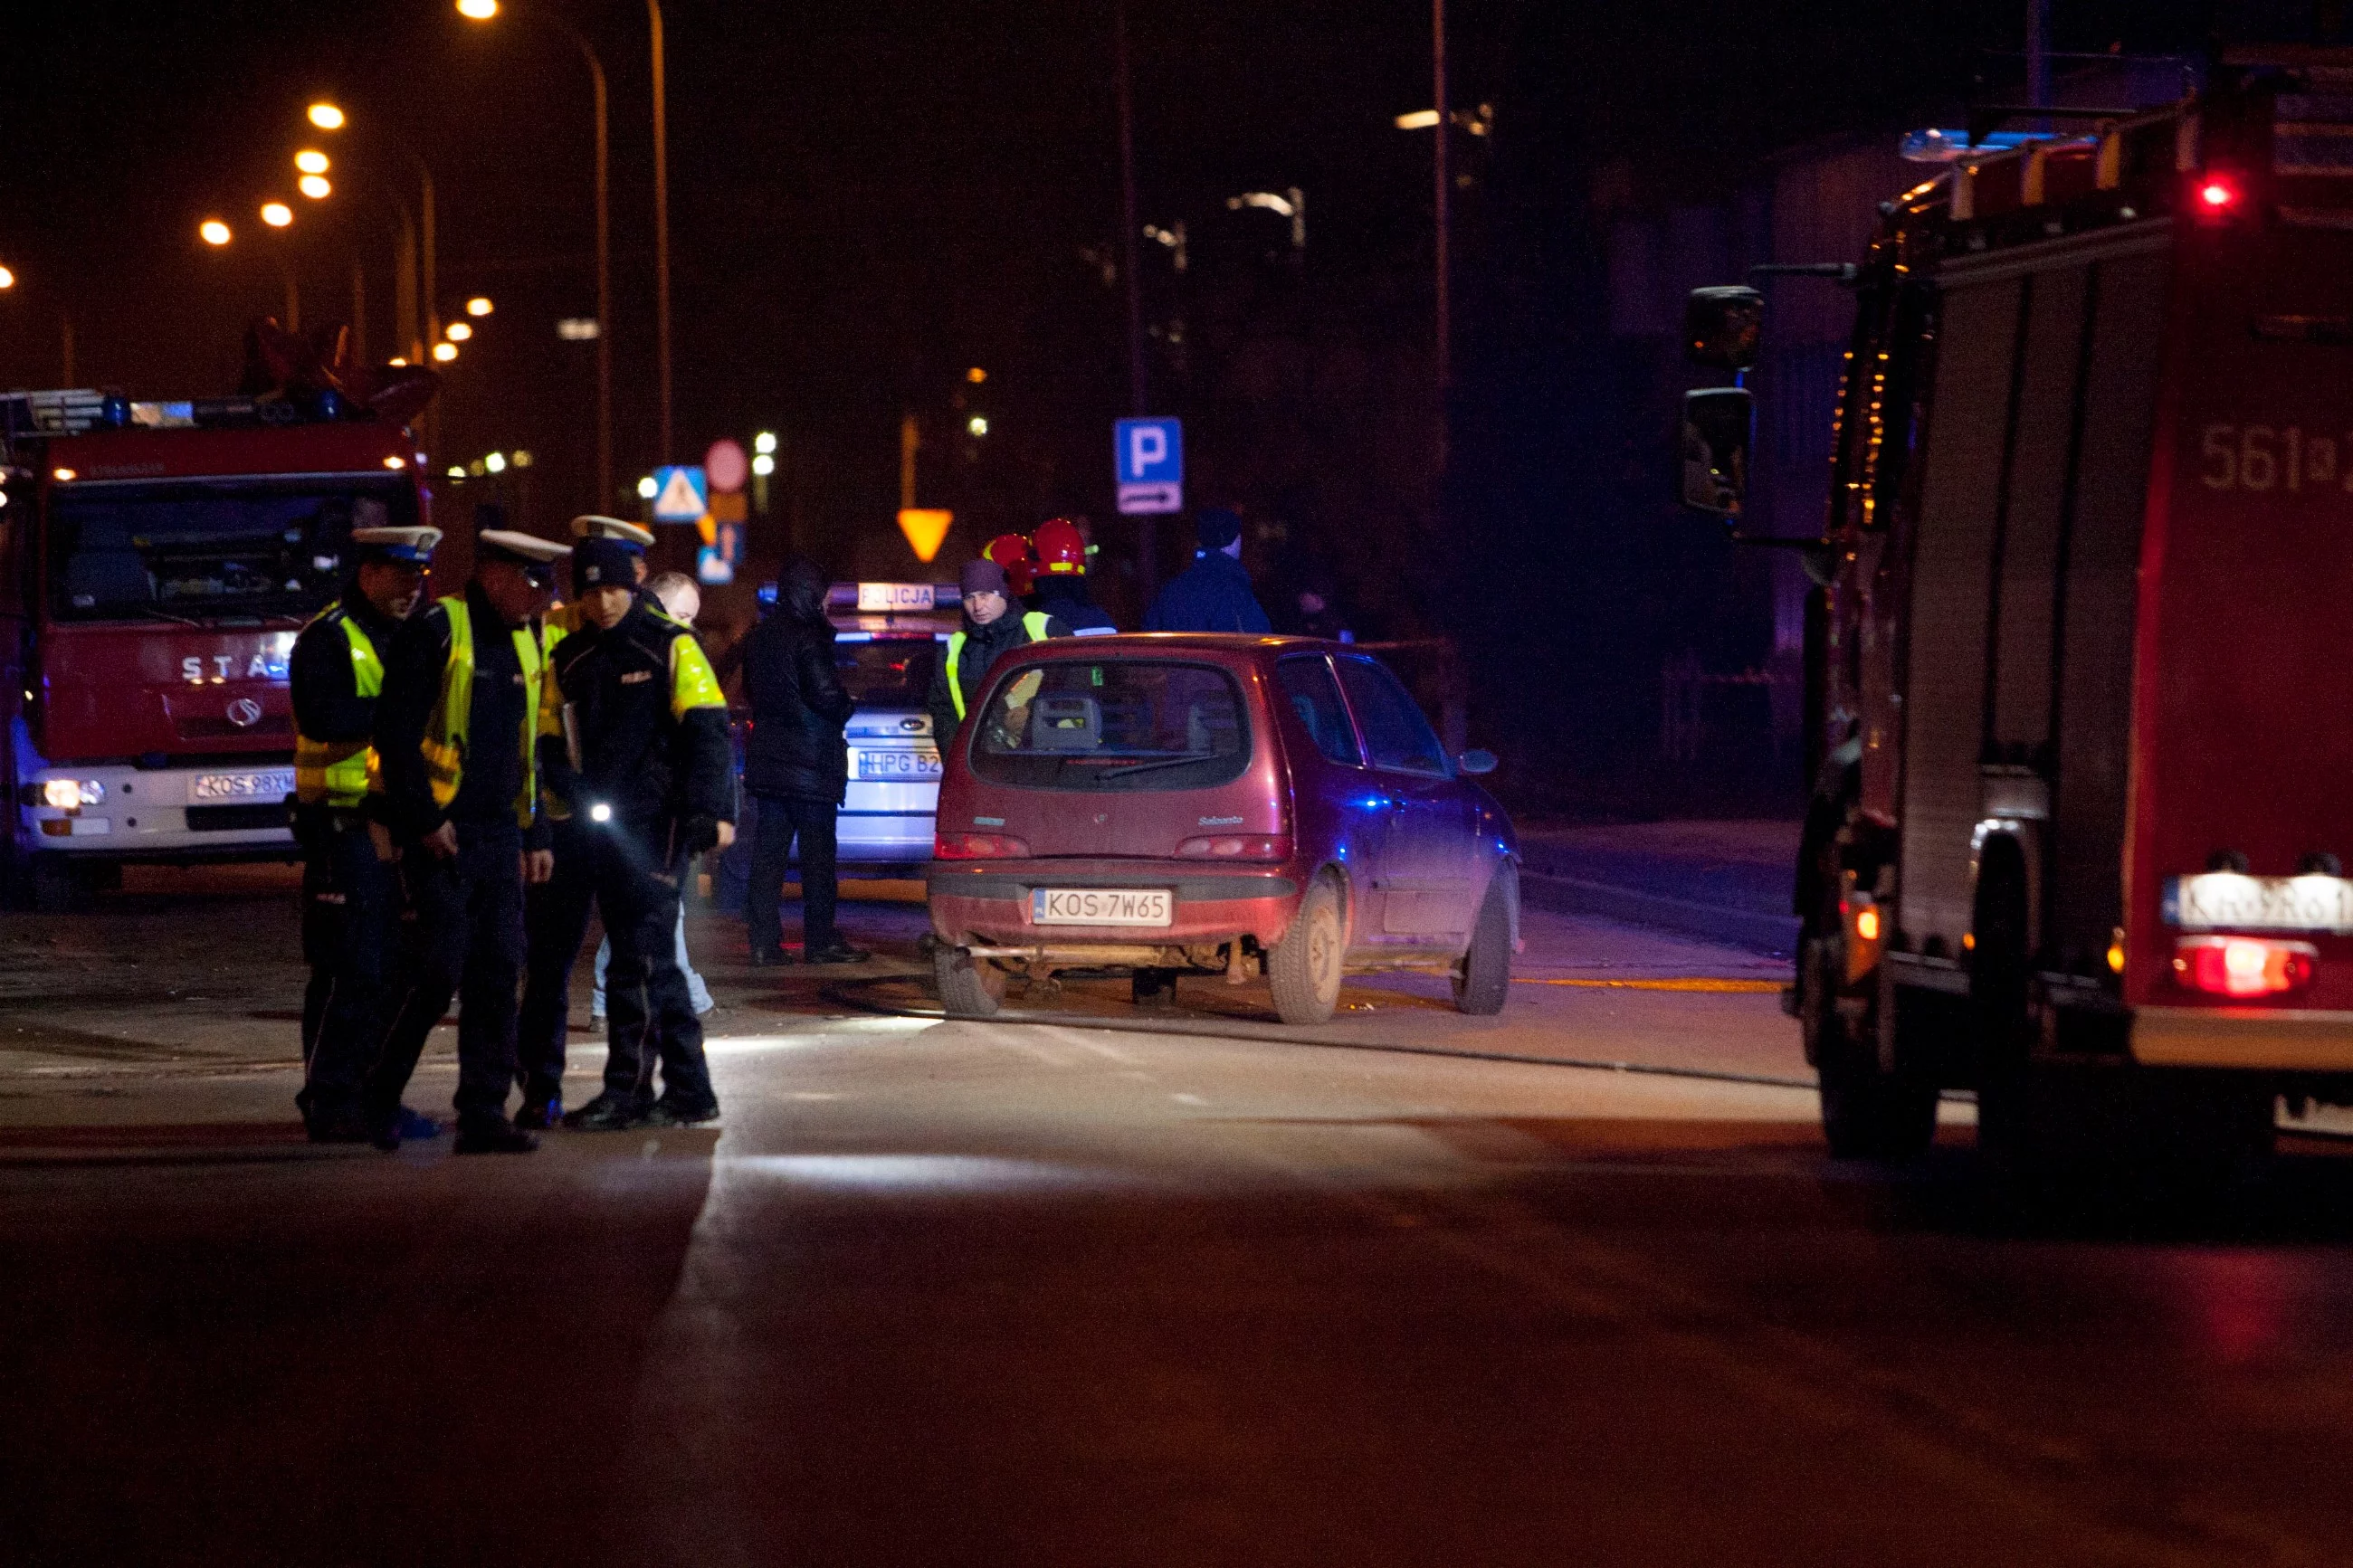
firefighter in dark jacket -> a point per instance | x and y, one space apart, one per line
992 627
797 768
555 912
640 748
454 729
1061 552
350 888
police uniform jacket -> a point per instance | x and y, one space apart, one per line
650 725
494 775
328 706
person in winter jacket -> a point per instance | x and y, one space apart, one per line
1061 557
797 768
992 628
1213 595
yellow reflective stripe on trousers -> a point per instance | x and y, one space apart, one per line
1033 622
342 773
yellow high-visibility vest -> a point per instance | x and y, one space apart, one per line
445 734
1033 622
342 773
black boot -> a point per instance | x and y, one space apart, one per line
493 1136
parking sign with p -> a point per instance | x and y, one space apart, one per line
1149 461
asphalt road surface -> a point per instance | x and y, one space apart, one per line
1576 1285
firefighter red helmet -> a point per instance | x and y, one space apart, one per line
1011 551
1062 548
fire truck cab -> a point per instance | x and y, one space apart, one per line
156 561
2080 708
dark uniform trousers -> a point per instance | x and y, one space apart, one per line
351 928
466 941
779 820
635 875
555 923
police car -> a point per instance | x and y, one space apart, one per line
888 639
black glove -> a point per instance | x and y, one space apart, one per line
701 835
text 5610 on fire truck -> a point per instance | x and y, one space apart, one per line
2080 704
156 560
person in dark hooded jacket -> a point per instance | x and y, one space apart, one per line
797 767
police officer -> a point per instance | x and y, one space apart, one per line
640 752
990 629
1061 556
350 891
455 728
555 912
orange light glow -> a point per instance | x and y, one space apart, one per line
1866 925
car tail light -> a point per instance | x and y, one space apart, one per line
979 846
2243 965
1237 847
2218 195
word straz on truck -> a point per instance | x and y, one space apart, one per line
156 562
2080 706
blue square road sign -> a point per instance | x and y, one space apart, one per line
1148 462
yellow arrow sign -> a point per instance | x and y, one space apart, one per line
925 528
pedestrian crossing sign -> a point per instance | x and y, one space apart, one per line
682 494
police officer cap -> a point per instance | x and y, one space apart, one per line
401 546
526 548
603 564
629 533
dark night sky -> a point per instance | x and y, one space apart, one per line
869 197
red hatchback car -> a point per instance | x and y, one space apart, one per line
1179 803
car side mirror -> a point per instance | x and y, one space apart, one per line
1476 761
1717 424
1723 326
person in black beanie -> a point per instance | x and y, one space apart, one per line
1213 595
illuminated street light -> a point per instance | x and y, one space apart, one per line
458 331
7 279
977 425
480 305
398 362
445 353
520 458
765 442
456 472
478 10
764 464
578 329
277 214
645 487
975 375
311 161
326 115
212 231
1420 119
496 462
314 186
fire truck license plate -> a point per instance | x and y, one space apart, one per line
274 785
898 765
1101 907
2224 900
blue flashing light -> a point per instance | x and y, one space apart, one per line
1938 145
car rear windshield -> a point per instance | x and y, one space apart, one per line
190 549
1113 724
887 672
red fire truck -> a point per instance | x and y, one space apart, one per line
2080 705
156 560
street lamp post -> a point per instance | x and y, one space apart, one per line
661 224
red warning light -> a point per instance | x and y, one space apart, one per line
2217 195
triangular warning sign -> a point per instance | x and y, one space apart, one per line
924 528
679 501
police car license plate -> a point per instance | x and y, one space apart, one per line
1101 907
273 785
2224 900
924 764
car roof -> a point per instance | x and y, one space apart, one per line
1232 645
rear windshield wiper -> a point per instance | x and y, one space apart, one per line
1154 765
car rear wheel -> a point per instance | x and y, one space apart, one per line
969 987
1485 977
1305 967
